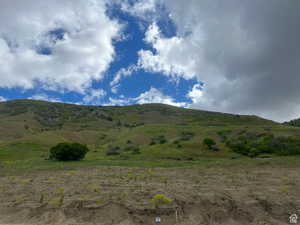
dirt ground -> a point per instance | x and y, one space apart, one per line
233 195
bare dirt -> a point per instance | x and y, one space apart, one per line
233 195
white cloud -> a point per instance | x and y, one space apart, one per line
153 95
44 97
196 93
124 72
139 8
115 89
173 56
120 101
94 95
79 35
239 49
2 99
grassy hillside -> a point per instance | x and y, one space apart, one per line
143 132
295 123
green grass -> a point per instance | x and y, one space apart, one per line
28 129
34 165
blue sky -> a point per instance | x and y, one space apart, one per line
126 55
230 56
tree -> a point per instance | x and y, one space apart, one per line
209 142
68 152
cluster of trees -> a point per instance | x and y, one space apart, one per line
253 144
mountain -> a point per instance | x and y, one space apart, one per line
28 128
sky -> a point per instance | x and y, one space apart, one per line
229 56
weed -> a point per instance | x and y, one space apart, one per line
25 181
160 200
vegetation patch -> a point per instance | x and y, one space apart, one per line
160 200
254 144
68 152
158 140
210 143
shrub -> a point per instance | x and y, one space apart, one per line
209 142
68 152
176 142
133 150
160 200
223 135
214 148
186 135
152 143
160 139
113 150
253 145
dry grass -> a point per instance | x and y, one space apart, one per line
239 194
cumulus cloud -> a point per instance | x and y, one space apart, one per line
153 95
118 101
246 52
142 8
59 45
2 99
172 55
94 96
123 72
44 97
196 93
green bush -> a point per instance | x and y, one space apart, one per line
113 150
68 152
134 150
152 143
160 139
186 135
253 145
176 142
209 142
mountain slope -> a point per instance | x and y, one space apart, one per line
30 128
